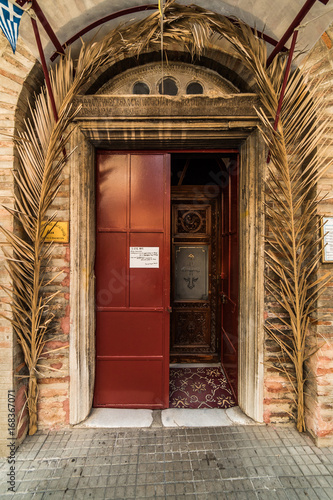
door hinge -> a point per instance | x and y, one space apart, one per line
223 298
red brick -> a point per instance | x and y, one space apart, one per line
56 366
12 77
323 371
267 416
275 386
51 345
20 367
324 433
53 380
25 53
66 280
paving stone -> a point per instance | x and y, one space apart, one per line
234 463
272 495
324 493
54 495
266 483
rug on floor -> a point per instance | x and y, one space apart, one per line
200 388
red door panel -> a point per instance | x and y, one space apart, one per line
146 325
130 383
112 278
112 195
132 318
230 277
147 192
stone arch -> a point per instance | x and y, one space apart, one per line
30 87
220 61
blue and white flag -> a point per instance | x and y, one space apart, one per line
10 17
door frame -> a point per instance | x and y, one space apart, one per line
173 133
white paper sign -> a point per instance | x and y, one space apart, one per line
145 257
328 239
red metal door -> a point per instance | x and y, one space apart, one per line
230 276
132 280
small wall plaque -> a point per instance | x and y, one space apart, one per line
56 232
145 257
328 239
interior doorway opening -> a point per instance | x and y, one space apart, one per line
204 264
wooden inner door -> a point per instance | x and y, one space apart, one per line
195 267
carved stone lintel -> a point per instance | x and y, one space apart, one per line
99 106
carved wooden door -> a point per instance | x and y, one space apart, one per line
194 296
132 280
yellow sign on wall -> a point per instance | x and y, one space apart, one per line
57 232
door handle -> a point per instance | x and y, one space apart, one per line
223 298
169 309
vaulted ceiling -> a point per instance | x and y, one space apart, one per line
68 17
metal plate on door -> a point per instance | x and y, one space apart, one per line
191 272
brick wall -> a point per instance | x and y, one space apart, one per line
53 401
20 77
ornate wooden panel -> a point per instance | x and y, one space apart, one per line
191 328
191 221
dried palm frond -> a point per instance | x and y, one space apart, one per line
40 146
293 241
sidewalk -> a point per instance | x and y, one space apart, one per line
239 462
